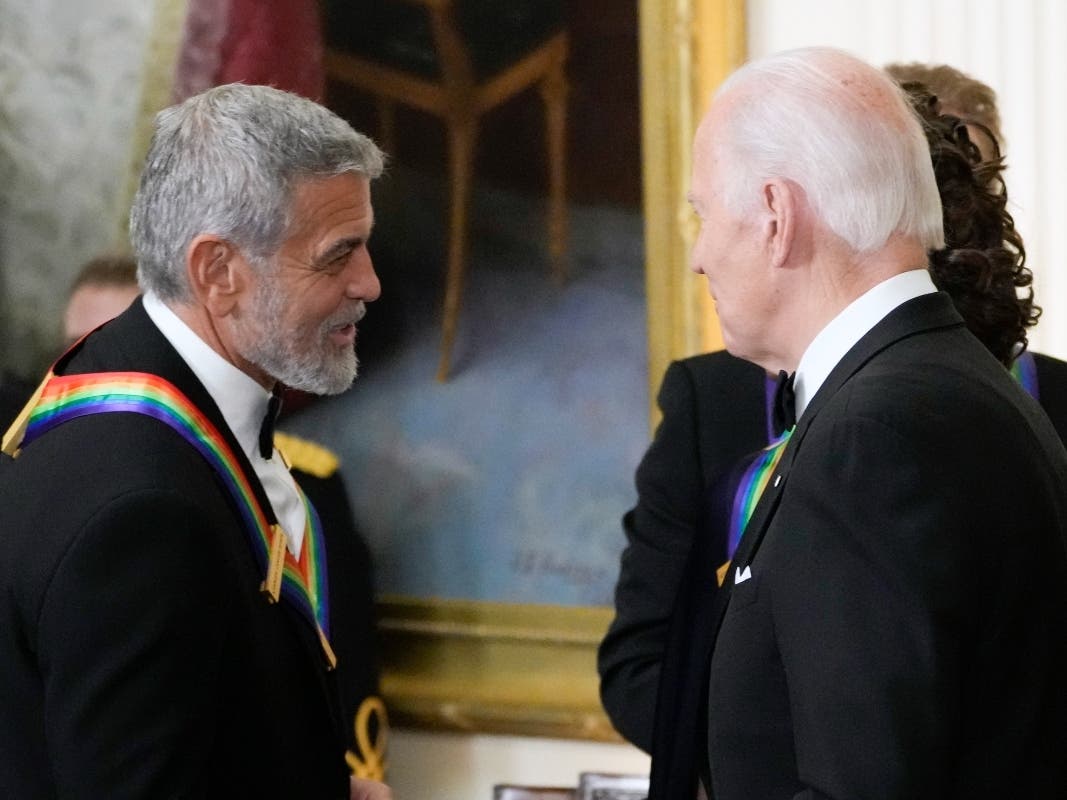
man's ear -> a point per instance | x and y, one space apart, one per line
218 275
780 206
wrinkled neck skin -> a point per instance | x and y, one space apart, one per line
826 285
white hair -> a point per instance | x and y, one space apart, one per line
843 132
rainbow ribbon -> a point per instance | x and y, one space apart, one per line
303 583
1024 370
758 473
754 481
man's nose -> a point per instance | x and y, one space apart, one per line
363 283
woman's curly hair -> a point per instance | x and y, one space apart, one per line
983 265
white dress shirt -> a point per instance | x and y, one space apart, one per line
851 325
243 403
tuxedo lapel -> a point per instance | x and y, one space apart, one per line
765 508
755 528
133 343
925 313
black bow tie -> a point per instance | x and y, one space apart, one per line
784 415
266 430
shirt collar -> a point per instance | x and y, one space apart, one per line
851 325
242 401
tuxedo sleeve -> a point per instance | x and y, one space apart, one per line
659 534
129 637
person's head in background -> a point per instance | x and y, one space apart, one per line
983 264
102 290
961 96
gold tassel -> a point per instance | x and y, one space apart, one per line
13 438
272 585
373 766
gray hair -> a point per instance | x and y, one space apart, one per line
844 132
226 162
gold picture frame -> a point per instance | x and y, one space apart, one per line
531 669
493 667
687 48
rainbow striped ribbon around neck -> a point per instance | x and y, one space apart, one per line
750 488
301 582
754 481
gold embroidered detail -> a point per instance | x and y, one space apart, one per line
373 765
306 456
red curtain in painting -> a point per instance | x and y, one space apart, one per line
278 43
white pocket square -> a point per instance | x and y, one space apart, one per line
742 575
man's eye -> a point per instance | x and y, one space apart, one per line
338 262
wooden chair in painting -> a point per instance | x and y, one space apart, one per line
458 59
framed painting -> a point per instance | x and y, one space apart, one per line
494 627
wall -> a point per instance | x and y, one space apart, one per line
1019 47
69 91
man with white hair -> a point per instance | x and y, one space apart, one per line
894 619
163 579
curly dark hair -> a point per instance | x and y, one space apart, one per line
983 264
960 94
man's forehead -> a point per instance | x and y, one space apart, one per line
707 133
722 106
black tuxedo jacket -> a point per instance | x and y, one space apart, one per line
713 413
895 620
138 657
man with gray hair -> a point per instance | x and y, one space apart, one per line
164 584
893 623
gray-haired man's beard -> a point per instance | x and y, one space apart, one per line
319 371
304 359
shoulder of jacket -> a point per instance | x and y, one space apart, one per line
306 456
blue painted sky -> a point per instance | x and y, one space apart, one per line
508 482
